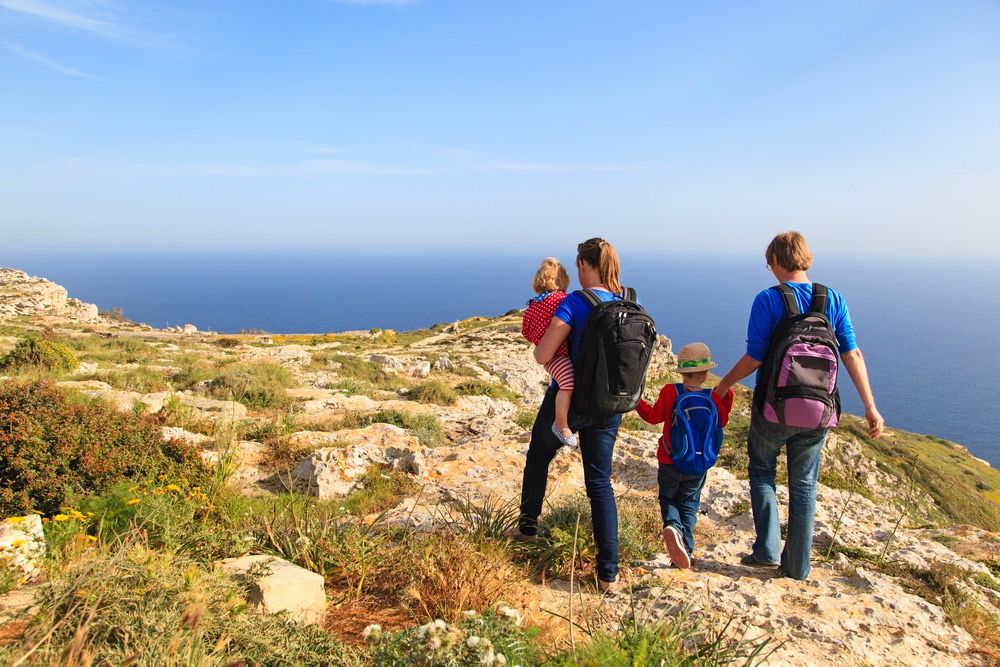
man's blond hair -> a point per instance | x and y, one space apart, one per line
551 275
789 251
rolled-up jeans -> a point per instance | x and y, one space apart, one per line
597 442
803 447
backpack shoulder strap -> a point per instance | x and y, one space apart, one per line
629 294
589 295
788 296
679 388
820 299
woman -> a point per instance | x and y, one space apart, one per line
597 269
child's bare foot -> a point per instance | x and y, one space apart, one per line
566 437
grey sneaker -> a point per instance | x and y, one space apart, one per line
674 543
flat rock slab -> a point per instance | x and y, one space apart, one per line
275 586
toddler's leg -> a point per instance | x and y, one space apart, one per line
561 369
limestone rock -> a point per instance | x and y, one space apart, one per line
334 471
387 362
209 407
21 294
420 369
22 546
443 363
193 439
275 586
189 329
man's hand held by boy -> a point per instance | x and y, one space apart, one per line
876 424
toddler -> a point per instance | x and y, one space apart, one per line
551 281
681 481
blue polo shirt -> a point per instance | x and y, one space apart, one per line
574 311
769 309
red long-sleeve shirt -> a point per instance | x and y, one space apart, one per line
662 412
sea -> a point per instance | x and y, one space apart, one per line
929 328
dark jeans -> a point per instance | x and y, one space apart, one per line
597 442
802 447
680 498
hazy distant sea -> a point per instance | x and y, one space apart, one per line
930 330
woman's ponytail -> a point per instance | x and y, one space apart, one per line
601 255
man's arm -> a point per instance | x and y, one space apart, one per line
744 367
553 338
856 368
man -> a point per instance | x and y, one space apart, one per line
788 258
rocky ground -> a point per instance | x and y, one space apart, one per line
862 605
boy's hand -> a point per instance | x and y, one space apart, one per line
875 422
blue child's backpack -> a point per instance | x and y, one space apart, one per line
695 432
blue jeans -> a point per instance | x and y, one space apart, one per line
597 442
803 447
680 498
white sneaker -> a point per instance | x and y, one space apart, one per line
674 543
570 440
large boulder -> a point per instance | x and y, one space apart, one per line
21 294
22 546
275 586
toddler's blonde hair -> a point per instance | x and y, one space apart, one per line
551 275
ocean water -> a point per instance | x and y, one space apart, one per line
929 329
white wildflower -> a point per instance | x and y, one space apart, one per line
469 613
501 659
512 614
440 624
435 643
374 628
472 641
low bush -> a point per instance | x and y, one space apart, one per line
140 379
379 489
484 388
259 386
434 391
52 445
681 639
33 353
227 343
638 529
493 638
132 604
427 428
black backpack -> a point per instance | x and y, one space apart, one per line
798 380
617 345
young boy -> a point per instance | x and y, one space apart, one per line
680 493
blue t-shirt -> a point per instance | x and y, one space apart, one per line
574 311
769 309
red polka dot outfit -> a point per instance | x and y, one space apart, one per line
536 322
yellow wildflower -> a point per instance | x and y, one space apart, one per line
15 519
173 488
60 517
133 501
16 543
90 538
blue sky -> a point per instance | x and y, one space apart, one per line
872 126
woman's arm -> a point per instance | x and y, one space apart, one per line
856 368
553 338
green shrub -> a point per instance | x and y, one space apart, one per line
434 391
33 353
193 371
227 343
52 445
140 379
259 386
525 419
633 422
638 529
678 640
484 388
379 489
360 369
132 604
427 428
476 640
